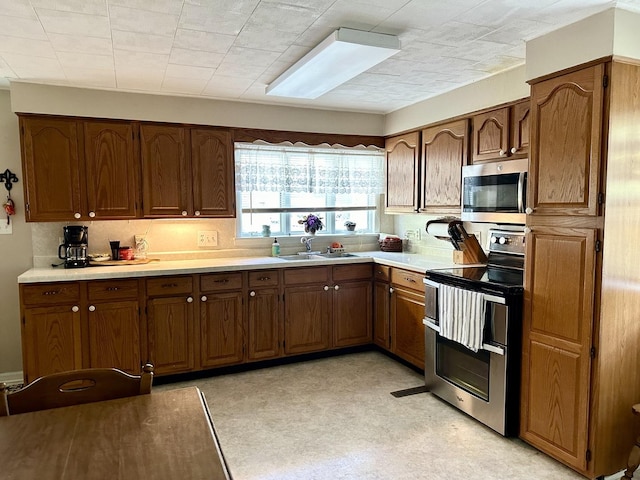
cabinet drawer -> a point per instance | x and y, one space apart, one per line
301 276
263 278
113 290
220 281
407 279
358 271
169 286
50 293
382 272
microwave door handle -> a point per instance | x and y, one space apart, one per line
521 179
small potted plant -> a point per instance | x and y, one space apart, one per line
312 223
351 226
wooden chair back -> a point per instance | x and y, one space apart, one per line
74 388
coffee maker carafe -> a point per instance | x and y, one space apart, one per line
74 249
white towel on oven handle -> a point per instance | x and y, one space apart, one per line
461 314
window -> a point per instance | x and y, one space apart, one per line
277 185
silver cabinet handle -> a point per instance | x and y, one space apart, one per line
336 287
252 293
75 309
326 288
189 299
92 308
92 214
203 298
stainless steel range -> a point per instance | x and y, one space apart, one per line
483 383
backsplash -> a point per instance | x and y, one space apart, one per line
177 239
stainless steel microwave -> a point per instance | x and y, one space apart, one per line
495 192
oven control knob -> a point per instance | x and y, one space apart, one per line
494 239
502 240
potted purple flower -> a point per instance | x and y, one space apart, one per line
312 223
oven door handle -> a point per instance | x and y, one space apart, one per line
431 283
485 346
427 321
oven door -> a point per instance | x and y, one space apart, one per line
474 382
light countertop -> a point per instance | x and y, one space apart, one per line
415 262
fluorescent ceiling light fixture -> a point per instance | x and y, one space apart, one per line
341 56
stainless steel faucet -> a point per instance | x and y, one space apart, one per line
307 242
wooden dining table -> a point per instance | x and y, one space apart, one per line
167 434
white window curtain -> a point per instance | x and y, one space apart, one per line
297 169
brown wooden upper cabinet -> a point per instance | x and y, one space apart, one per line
65 182
444 152
187 172
502 133
402 170
566 139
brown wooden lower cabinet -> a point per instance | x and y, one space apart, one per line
221 341
352 304
306 318
382 306
263 340
407 313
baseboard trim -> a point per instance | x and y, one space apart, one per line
11 378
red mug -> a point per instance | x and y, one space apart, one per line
125 253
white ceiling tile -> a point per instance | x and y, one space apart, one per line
223 81
125 59
141 42
185 71
251 72
230 91
212 20
74 60
479 50
26 46
265 38
456 33
191 86
129 19
424 15
172 7
346 13
144 79
316 34
71 23
283 17
235 6
81 44
293 54
35 68
5 69
17 8
22 27
89 77
498 64
250 56
91 7
516 32
204 41
180 56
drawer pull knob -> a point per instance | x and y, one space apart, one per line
51 292
92 214
221 281
264 279
409 279
113 289
76 215
75 309
197 213
92 308
514 150
203 298
189 299
252 293
169 285
184 213
326 288
336 287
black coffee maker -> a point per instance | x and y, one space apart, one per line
74 249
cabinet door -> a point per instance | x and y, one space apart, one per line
407 329
166 172
50 156
213 174
490 135
51 341
264 326
402 173
444 152
306 318
111 168
114 336
566 116
520 128
381 314
558 324
352 304
170 333
221 341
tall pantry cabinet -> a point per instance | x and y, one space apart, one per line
581 327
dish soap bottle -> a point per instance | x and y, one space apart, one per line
275 248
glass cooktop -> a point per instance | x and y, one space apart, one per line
488 279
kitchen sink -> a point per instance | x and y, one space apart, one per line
315 256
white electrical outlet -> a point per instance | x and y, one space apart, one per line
6 228
207 238
478 237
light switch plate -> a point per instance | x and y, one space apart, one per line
207 238
5 229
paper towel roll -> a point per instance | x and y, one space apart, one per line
438 230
